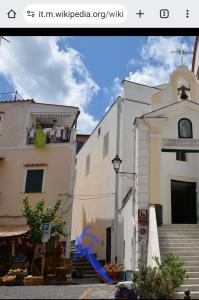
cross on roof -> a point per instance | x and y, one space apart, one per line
181 52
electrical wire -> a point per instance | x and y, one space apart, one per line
89 195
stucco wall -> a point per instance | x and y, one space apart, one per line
96 211
101 178
13 174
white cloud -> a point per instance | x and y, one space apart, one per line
132 62
39 69
113 92
159 63
86 123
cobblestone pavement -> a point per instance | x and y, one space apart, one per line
78 291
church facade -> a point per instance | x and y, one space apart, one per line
155 132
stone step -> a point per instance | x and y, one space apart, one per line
192 274
180 253
188 258
179 227
88 271
178 240
81 263
191 263
192 268
177 237
191 287
181 234
180 295
178 244
90 275
170 248
179 231
191 281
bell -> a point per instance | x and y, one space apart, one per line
183 95
182 92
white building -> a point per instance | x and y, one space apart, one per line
155 131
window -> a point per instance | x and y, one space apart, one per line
185 128
1 122
181 155
197 74
106 145
99 131
87 164
34 181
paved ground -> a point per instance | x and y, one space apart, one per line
75 291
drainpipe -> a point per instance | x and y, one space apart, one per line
117 178
134 206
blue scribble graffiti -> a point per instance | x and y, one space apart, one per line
87 252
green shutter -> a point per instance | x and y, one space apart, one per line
34 181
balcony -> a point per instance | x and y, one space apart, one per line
52 127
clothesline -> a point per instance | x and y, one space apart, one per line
53 134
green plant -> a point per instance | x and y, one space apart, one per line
39 214
161 281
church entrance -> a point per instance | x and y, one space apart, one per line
183 202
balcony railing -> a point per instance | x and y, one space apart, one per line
53 135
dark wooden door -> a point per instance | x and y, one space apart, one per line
183 202
108 245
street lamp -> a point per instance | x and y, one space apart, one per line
116 161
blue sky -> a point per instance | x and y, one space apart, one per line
86 71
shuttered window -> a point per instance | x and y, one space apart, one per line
34 180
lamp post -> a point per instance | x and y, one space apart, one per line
116 161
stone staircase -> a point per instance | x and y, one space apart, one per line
183 240
82 266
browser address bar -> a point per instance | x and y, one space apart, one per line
75 13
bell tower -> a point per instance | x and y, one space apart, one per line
184 85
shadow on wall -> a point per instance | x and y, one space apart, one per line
99 229
102 229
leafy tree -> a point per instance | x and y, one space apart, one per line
38 215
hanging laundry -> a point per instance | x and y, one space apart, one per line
40 138
47 133
52 135
46 130
31 134
65 134
58 134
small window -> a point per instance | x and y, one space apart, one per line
87 164
99 131
185 128
181 155
1 122
34 181
197 74
106 145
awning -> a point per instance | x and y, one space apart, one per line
65 119
13 230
